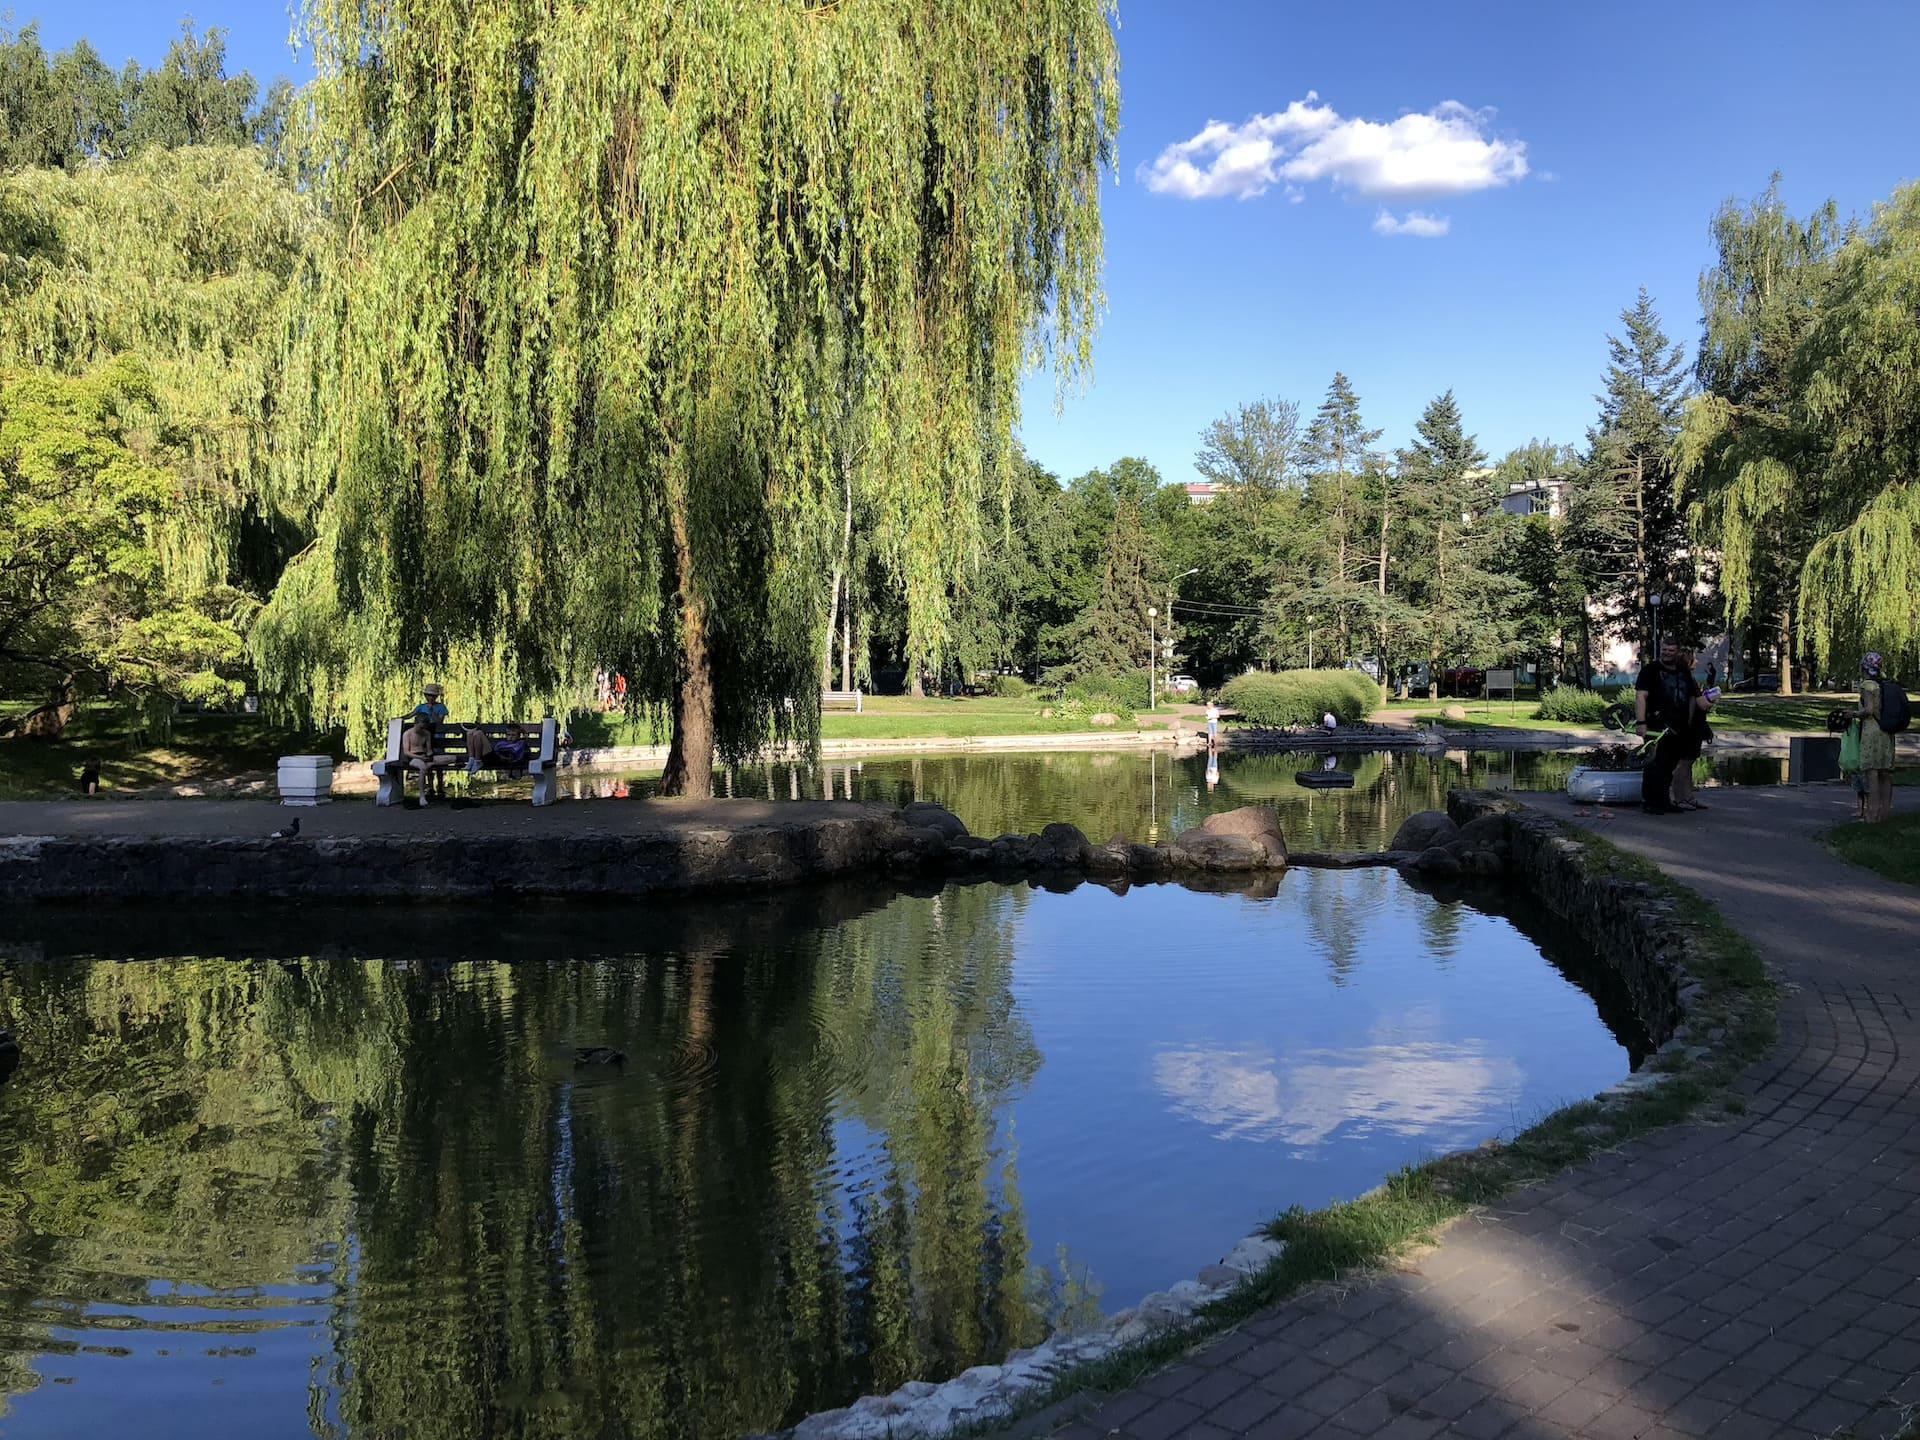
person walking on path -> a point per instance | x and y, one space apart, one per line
1695 739
1876 743
1665 695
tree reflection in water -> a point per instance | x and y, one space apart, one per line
793 1191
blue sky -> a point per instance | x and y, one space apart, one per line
1614 131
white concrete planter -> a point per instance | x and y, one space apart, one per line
306 780
1603 787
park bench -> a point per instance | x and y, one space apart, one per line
450 752
841 700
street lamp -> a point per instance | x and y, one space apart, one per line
1153 649
1170 584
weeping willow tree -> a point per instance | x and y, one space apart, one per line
1860 373
1750 472
176 263
622 292
1805 449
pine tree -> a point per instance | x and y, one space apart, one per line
1627 521
1465 610
1336 456
1110 637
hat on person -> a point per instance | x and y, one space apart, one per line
434 690
1871 662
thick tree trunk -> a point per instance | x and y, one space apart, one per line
47 721
914 686
842 580
689 769
1786 651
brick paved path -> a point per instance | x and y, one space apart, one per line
1752 1279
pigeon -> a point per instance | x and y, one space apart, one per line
291 832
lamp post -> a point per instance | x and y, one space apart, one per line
1153 649
1170 584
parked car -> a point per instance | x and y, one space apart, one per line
1755 684
1182 685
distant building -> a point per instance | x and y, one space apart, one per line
1201 492
1544 496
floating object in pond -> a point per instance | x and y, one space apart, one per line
1324 779
599 1055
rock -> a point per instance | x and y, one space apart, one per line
1486 832
1424 830
1149 862
1435 861
1484 863
1012 850
1103 719
925 815
1219 1277
1254 1254
1256 822
1453 712
1062 846
1197 850
1109 861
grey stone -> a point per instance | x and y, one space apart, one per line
1259 823
1424 830
1062 845
1436 861
1197 850
925 815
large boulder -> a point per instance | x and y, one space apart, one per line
1198 850
925 815
1253 822
1436 862
1062 846
1426 829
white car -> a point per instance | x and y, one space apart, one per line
1182 685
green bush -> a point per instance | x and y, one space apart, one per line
1566 703
1127 690
1083 707
1009 687
1300 697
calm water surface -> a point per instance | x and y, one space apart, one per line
340 1175
1152 795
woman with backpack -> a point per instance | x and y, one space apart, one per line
1878 725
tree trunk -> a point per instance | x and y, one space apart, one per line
1786 650
1648 622
1440 595
689 769
833 629
846 643
842 579
47 721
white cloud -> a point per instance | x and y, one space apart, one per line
1427 227
1449 150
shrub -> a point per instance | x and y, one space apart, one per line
1301 697
1009 687
1126 690
1566 703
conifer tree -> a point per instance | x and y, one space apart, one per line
1337 454
1627 520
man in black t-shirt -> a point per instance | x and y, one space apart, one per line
1665 698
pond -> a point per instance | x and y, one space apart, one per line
341 1174
1151 795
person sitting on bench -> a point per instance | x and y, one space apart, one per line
416 748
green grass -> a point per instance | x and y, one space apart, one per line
900 717
1353 1238
1772 714
198 748
1891 848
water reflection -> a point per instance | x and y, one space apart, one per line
357 1185
1152 794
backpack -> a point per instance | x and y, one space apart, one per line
1896 711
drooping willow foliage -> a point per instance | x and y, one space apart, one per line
620 288
177 262
1804 450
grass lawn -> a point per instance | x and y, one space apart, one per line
900 717
1891 848
200 747
1776 714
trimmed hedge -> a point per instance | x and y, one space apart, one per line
1301 697
1568 703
